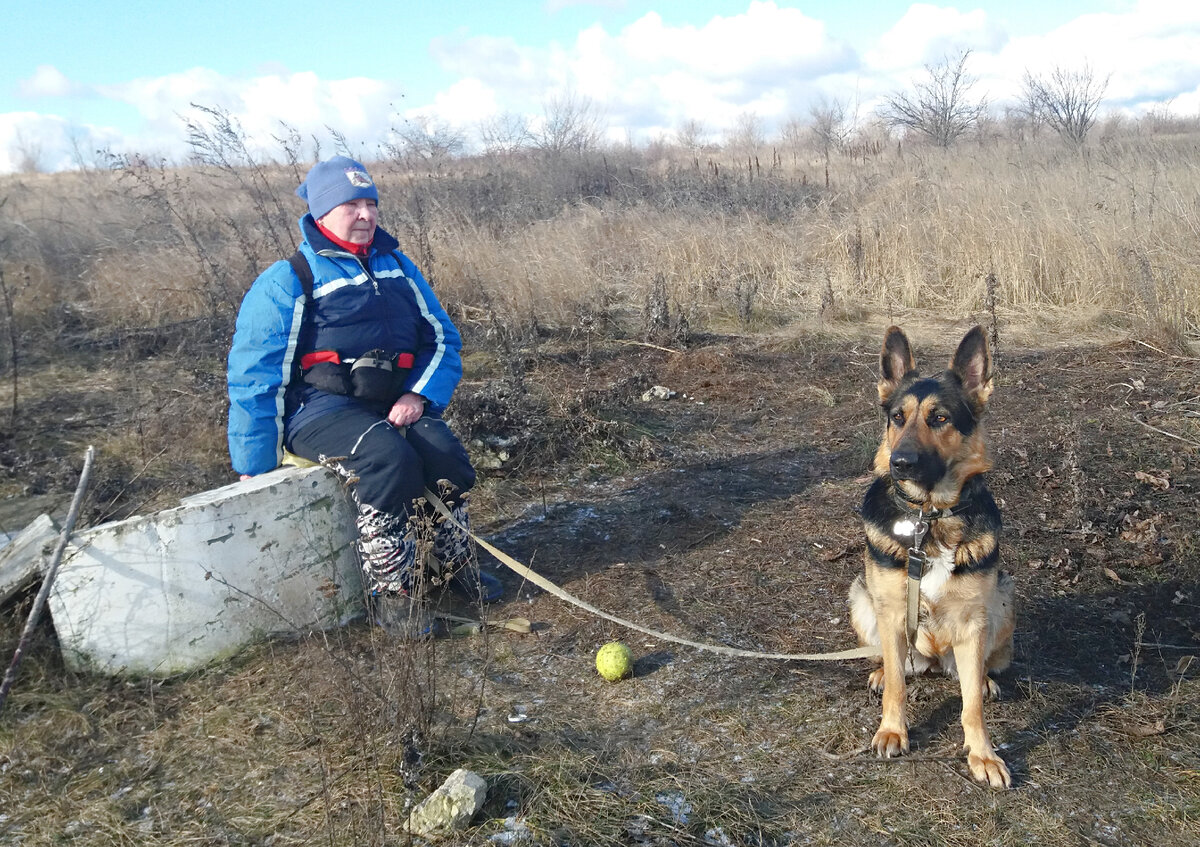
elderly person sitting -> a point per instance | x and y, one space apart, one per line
357 377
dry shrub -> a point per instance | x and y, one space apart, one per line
921 230
539 241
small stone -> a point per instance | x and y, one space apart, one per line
451 806
658 392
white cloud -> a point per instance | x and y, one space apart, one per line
926 34
463 104
1149 50
48 81
765 42
29 140
650 74
360 108
646 78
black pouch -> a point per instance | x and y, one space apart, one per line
375 378
333 377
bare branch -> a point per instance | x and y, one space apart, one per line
830 126
1067 100
423 139
573 124
507 132
941 107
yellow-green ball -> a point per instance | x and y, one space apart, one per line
614 661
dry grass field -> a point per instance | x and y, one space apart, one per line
727 514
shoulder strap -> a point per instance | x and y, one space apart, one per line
304 272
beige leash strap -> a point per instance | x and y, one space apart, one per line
545 584
918 529
914 609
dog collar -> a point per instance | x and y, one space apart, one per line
917 529
909 527
906 526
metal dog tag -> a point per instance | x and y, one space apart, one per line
904 527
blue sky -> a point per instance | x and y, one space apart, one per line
121 75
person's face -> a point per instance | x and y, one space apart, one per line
354 221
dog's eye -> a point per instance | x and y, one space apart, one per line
938 419
898 418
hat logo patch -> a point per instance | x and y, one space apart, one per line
359 179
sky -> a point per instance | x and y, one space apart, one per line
125 75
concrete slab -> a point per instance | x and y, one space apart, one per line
25 558
163 594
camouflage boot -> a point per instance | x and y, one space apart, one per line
387 549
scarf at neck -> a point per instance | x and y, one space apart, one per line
356 249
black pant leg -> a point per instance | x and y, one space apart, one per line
442 455
390 471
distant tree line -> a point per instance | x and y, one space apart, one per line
942 107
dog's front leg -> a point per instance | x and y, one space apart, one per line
985 765
889 591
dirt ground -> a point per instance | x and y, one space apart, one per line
725 514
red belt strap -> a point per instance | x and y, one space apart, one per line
403 360
318 356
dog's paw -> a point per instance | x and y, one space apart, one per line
889 742
875 681
991 691
989 769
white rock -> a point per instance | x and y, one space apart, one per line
658 392
451 806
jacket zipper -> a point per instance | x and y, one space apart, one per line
370 276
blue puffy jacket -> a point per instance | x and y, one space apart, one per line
380 302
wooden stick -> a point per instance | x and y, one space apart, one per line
647 344
44 592
1164 432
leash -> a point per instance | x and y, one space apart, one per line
917 558
541 582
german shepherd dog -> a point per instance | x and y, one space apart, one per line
930 517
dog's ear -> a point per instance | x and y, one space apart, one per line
894 362
972 363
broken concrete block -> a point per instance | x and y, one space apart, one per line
166 593
451 806
24 559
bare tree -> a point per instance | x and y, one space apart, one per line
79 140
830 126
27 152
424 139
1021 123
1067 100
506 132
793 133
747 133
690 135
941 107
573 124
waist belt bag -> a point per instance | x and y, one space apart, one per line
378 377
325 370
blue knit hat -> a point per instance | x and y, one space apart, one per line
332 183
